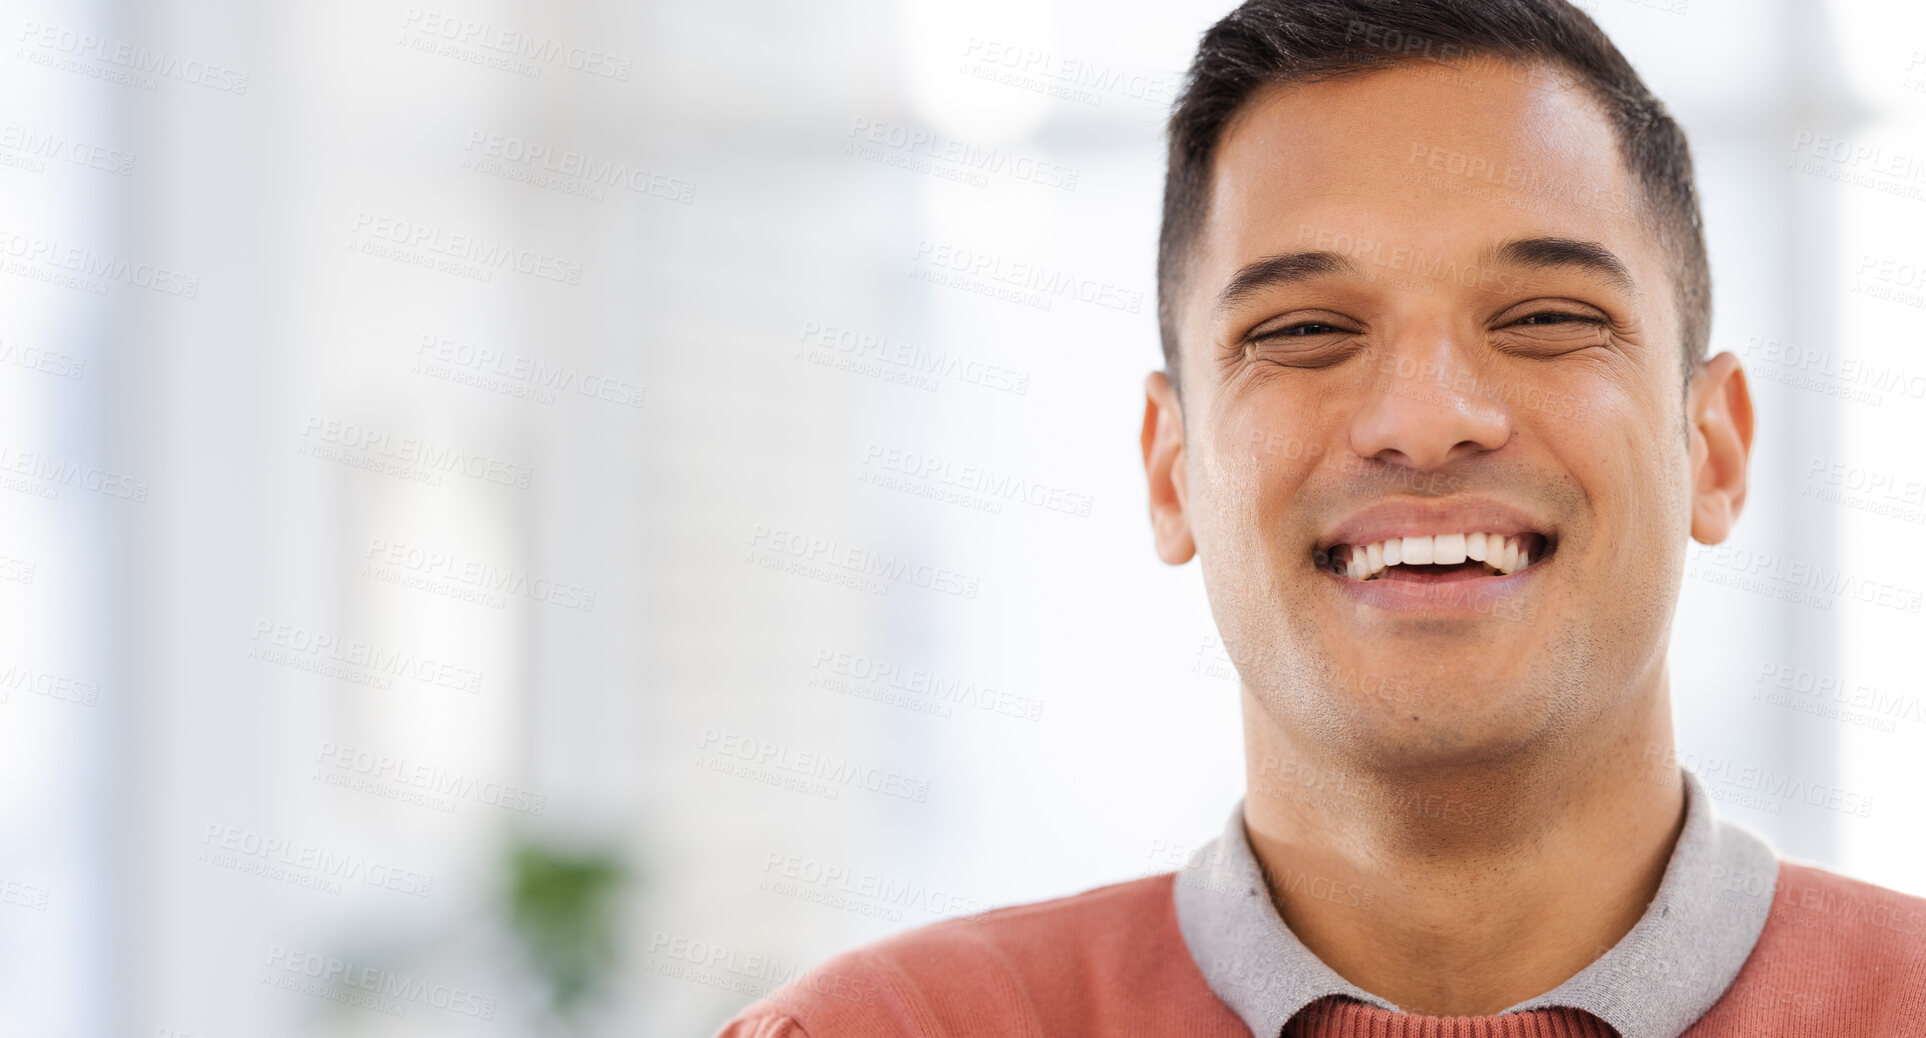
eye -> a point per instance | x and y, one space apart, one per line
1308 338
1304 328
1552 332
1300 330
1556 317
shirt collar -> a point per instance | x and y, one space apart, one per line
1678 959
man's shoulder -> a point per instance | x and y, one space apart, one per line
1097 923
1840 954
1814 905
1025 969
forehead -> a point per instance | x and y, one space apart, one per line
1443 159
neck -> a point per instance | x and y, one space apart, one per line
1463 889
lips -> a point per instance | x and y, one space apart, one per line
1435 541
1450 556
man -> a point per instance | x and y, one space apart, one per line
1437 423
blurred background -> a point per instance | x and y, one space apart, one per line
481 549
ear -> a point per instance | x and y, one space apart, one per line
1163 443
1718 410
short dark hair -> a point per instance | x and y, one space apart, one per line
1265 42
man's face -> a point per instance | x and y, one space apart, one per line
1482 340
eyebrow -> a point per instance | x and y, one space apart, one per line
1563 252
1543 252
1283 269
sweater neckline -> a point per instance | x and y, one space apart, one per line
1337 1017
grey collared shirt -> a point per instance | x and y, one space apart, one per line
1678 959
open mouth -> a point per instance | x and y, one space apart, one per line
1442 557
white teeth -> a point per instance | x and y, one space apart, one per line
1502 554
1507 561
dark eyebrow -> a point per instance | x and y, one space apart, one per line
1564 252
1281 269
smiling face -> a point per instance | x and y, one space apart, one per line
1432 452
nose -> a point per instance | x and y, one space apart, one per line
1427 406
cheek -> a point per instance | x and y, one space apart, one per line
1243 487
1630 464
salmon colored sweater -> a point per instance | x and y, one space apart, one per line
1112 961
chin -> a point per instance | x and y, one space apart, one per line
1421 715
